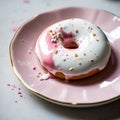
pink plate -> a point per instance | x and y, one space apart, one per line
99 89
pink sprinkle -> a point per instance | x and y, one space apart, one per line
19 93
8 84
19 88
55 45
34 68
38 76
13 86
29 52
14 29
26 1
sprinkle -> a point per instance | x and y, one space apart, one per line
8 84
19 88
34 68
38 76
94 34
58 35
91 61
76 31
21 96
53 34
64 59
71 69
84 54
97 40
55 45
45 76
55 51
14 29
19 93
50 30
90 28
53 40
76 55
13 86
29 52
80 63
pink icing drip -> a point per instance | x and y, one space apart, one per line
48 57
51 45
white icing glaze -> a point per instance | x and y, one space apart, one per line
92 53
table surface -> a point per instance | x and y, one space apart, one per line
18 103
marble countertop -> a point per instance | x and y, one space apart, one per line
18 103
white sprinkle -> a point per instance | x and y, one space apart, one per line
53 40
45 76
71 69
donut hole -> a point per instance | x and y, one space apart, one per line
68 41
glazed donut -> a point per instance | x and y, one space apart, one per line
73 49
